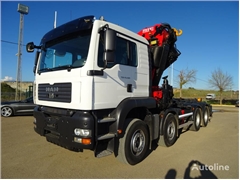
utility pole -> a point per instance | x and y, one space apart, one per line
55 20
172 76
22 10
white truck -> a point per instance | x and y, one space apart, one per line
97 87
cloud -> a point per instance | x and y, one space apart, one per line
7 78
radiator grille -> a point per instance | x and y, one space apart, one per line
58 92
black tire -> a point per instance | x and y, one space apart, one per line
170 131
196 118
134 145
6 111
206 117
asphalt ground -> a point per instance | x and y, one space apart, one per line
212 152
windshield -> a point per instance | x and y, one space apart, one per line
64 53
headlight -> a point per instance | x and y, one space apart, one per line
82 132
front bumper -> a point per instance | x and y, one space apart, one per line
58 125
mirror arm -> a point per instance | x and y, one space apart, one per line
105 66
37 47
103 28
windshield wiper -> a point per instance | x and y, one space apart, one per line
68 67
44 70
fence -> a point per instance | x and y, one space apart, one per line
10 96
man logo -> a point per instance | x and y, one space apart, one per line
52 89
51 95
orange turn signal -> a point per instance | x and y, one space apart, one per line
119 131
86 141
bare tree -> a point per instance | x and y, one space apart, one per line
220 81
186 76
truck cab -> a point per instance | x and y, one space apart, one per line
71 70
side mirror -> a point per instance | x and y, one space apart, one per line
30 47
110 40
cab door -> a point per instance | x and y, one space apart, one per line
119 80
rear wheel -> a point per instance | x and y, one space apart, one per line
196 118
134 145
169 131
6 111
206 116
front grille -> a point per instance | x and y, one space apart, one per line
58 92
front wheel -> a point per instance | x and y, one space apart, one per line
6 111
134 144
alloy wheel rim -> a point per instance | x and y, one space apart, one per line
6 111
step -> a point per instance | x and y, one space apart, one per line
103 153
106 136
107 119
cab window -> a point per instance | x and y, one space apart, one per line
125 53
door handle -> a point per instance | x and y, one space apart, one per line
129 87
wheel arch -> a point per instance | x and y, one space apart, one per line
129 109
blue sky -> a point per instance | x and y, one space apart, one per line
210 38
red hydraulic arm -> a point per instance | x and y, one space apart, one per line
161 38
